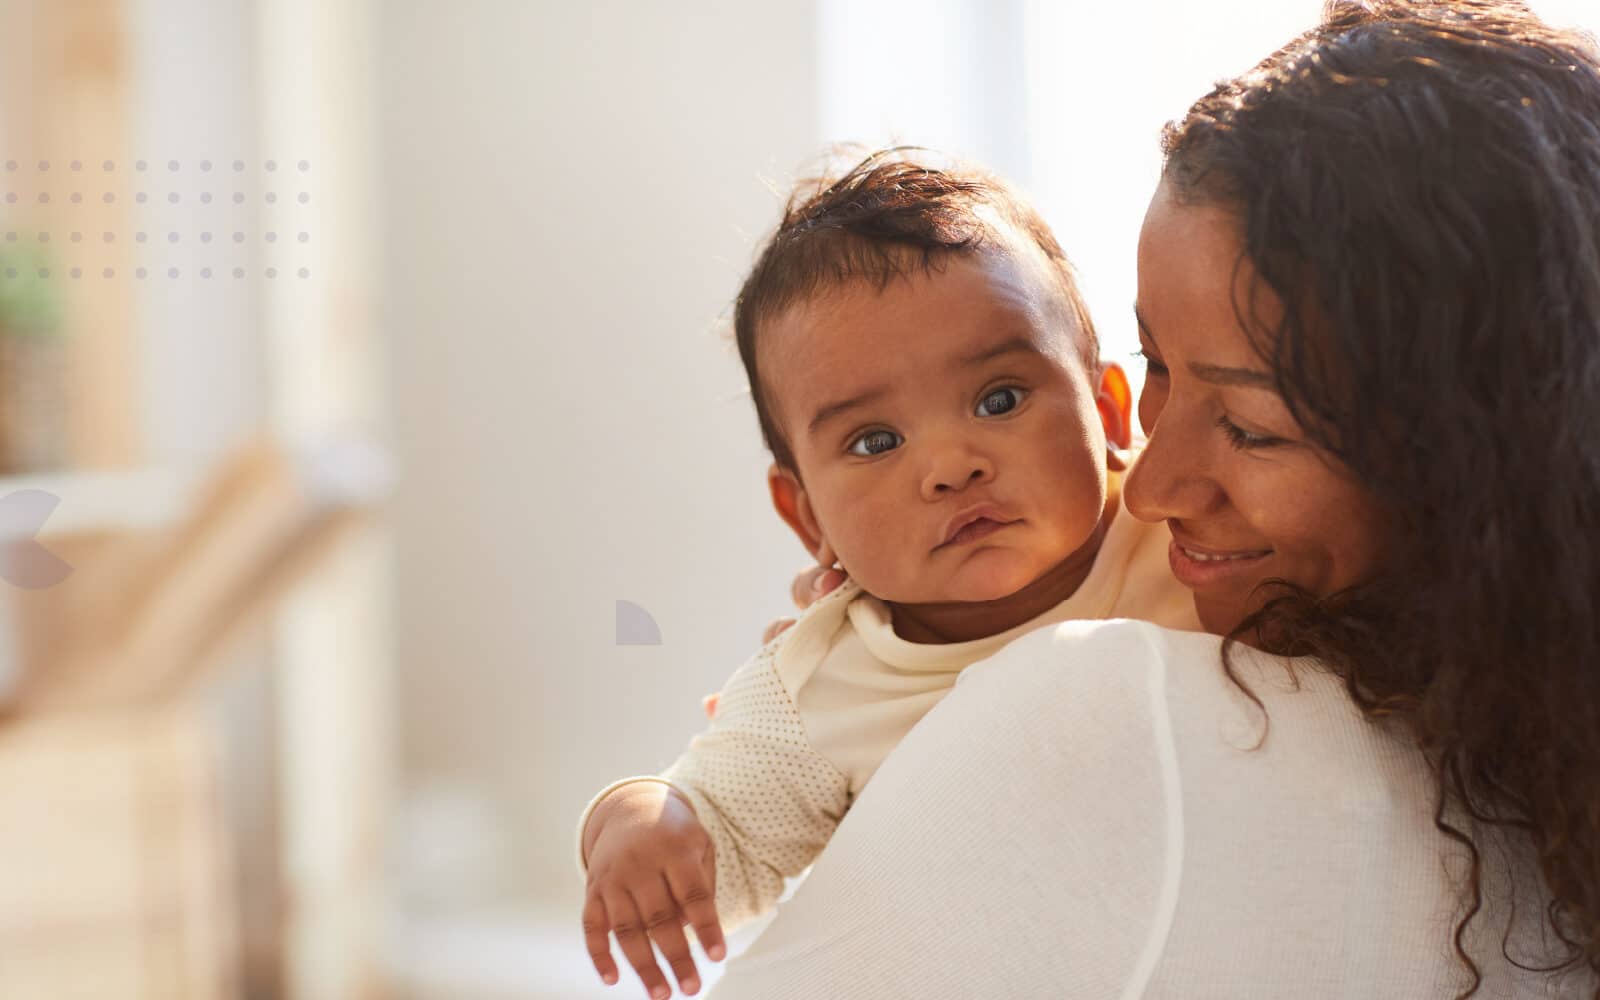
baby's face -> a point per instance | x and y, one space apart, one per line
950 394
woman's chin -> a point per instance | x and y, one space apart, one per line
1219 615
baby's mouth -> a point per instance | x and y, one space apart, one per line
974 530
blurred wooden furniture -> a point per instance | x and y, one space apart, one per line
119 879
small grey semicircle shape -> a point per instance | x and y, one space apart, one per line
635 627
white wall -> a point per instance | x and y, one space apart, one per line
572 193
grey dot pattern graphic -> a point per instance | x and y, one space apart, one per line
36 192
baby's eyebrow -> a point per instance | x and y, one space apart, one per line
833 410
1014 345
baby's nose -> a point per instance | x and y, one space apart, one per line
955 476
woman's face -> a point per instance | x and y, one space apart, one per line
1247 498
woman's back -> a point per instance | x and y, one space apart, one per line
1087 815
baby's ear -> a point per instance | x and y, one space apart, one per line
789 499
1115 402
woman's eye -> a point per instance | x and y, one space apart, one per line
1153 365
874 443
1243 439
1000 401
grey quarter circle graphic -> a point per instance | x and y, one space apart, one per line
23 561
635 627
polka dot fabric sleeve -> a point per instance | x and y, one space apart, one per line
769 801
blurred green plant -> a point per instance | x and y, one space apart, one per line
30 302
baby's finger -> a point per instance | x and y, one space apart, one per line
634 941
665 926
709 702
597 938
697 900
810 584
776 629
803 590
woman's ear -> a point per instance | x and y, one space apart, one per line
789 499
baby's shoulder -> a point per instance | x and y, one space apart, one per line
794 653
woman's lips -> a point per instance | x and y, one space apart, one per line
1199 568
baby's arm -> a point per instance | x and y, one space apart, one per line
764 800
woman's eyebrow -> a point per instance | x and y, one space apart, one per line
1248 378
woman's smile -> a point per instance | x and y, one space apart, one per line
1199 568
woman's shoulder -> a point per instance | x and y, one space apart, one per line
1079 651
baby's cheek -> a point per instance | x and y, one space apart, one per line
888 555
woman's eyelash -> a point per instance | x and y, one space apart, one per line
1151 365
1243 439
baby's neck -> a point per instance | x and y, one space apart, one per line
958 621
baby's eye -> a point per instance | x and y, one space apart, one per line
874 443
1000 401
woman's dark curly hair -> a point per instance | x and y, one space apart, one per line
1419 183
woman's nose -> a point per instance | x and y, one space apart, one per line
1173 478
953 469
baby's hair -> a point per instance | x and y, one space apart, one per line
889 216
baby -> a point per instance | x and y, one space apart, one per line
927 378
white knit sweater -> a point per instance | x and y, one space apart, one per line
1087 814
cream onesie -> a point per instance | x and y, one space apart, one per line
801 727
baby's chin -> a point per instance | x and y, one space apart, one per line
988 576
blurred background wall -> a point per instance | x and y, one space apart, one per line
466 269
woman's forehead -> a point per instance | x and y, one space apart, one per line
1196 282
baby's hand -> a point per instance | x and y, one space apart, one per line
809 585
651 871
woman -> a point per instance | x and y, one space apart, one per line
1369 294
